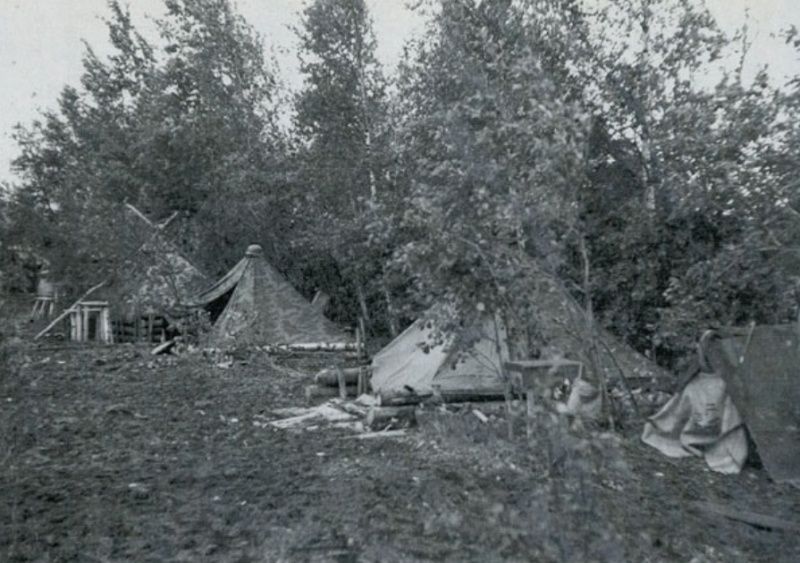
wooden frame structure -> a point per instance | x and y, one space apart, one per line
90 321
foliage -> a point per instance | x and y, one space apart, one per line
492 152
614 146
187 127
342 149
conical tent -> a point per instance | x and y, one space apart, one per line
413 363
254 305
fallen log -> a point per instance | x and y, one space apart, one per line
315 347
390 417
330 377
399 399
313 392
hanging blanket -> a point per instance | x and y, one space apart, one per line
701 420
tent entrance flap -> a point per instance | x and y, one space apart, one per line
216 307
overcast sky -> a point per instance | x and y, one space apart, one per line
41 49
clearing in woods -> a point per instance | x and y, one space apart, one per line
108 454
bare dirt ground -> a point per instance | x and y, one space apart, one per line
109 455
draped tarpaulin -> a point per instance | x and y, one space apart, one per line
755 384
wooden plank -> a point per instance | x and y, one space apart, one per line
530 411
370 435
163 347
748 517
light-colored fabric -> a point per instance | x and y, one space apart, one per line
585 400
411 364
701 420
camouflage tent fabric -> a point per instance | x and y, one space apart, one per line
155 280
263 308
761 367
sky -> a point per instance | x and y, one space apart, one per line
41 44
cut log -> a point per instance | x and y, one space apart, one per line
471 396
390 417
329 376
313 392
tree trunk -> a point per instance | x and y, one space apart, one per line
390 313
591 330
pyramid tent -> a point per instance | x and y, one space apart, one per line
416 362
757 367
254 305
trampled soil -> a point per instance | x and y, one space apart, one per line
110 455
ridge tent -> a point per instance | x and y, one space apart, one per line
757 388
253 304
560 322
412 363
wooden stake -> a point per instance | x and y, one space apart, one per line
530 412
363 350
342 383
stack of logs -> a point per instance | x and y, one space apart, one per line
339 382
351 383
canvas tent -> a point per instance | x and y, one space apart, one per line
254 305
407 362
415 363
759 368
